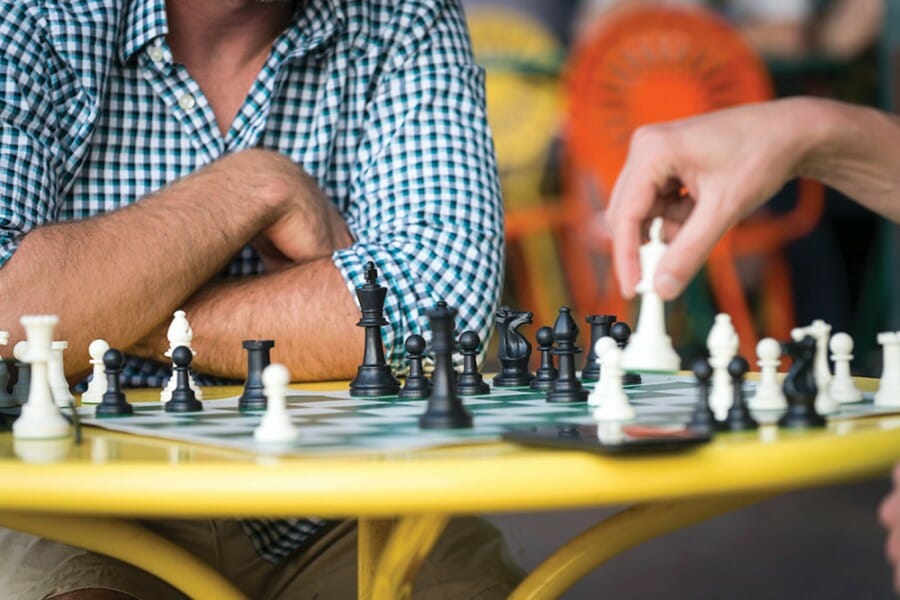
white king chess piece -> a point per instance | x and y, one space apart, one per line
650 348
179 334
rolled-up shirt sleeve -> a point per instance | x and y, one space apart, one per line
425 202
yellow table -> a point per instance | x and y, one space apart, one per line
404 500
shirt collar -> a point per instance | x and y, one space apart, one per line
145 21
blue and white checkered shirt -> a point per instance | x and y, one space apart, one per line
379 100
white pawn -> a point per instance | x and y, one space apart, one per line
276 426
97 386
614 405
59 386
40 418
595 398
179 334
888 393
843 389
722 343
769 395
820 331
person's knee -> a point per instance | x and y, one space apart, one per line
93 594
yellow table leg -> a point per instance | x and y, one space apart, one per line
622 531
131 543
409 544
372 537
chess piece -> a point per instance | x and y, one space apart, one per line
595 397
650 348
179 334
621 333
59 386
183 397
614 405
768 392
416 386
600 325
40 417
546 373
6 399
275 426
97 386
800 387
820 331
23 373
722 343
445 408
113 403
567 387
843 388
374 376
514 350
253 397
739 417
470 381
888 393
702 418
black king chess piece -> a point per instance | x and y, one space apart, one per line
800 386
253 398
113 402
703 419
621 332
567 387
417 385
739 417
600 325
470 381
374 376
183 398
445 408
546 373
514 351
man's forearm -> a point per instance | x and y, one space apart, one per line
307 309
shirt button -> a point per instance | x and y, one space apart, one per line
187 102
156 53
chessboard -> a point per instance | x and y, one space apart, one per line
336 423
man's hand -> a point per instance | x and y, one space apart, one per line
889 515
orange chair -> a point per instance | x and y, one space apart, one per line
651 63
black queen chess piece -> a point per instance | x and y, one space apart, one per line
253 397
113 402
445 409
374 376
514 350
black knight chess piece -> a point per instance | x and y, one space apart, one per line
800 386
515 350
374 376
600 325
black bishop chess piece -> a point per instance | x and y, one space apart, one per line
374 376
567 387
600 325
445 408
183 398
514 350
417 385
113 402
800 386
703 419
739 417
621 332
470 381
253 398
546 373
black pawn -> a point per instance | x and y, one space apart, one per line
374 376
567 387
702 419
546 373
417 386
600 325
739 417
621 332
445 409
800 387
113 402
470 382
253 398
183 397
